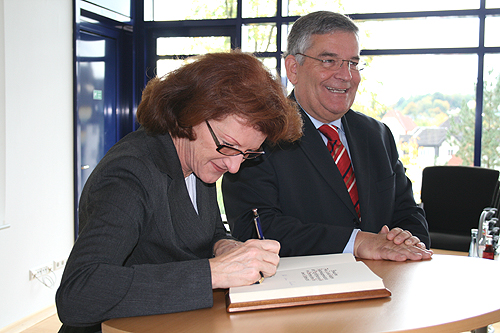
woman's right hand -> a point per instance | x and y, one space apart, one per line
244 262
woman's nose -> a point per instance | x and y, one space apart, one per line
233 163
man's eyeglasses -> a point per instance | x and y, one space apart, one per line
336 63
231 151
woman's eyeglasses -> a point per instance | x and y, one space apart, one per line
231 151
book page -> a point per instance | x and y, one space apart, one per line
310 281
287 263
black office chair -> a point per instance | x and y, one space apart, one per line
496 199
453 198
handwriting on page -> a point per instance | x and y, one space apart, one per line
319 274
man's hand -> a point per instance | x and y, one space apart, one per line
398 236
395 244
240 264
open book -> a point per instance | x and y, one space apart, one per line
309 280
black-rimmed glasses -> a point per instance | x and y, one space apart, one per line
335 63
231 151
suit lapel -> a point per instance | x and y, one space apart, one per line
192 229
315 150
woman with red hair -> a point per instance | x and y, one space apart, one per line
151 238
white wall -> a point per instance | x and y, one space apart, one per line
36 139
2 120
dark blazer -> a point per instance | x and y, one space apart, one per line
142 249
301 197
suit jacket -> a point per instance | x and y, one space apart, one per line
142 249
302 199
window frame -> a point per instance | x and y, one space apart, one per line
233 26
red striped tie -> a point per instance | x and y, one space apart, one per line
341 158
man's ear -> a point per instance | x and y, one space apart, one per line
291 65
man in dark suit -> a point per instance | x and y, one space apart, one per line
301 196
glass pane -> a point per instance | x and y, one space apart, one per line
148 10
165 66
163 10
259 8
117 10
192 45
91 48
301 7
369 6
284 79
270 64
186 46
285 30
490 153
492 26
392 78
258 38
430 32
492 3
417 100
119 6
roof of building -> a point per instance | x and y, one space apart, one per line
427 136
406 122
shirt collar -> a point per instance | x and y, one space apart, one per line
337 123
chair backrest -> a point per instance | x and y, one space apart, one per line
453 197
496 199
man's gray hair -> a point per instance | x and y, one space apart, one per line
316 23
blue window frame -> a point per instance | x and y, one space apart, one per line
475 22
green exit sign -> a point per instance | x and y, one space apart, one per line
98 95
